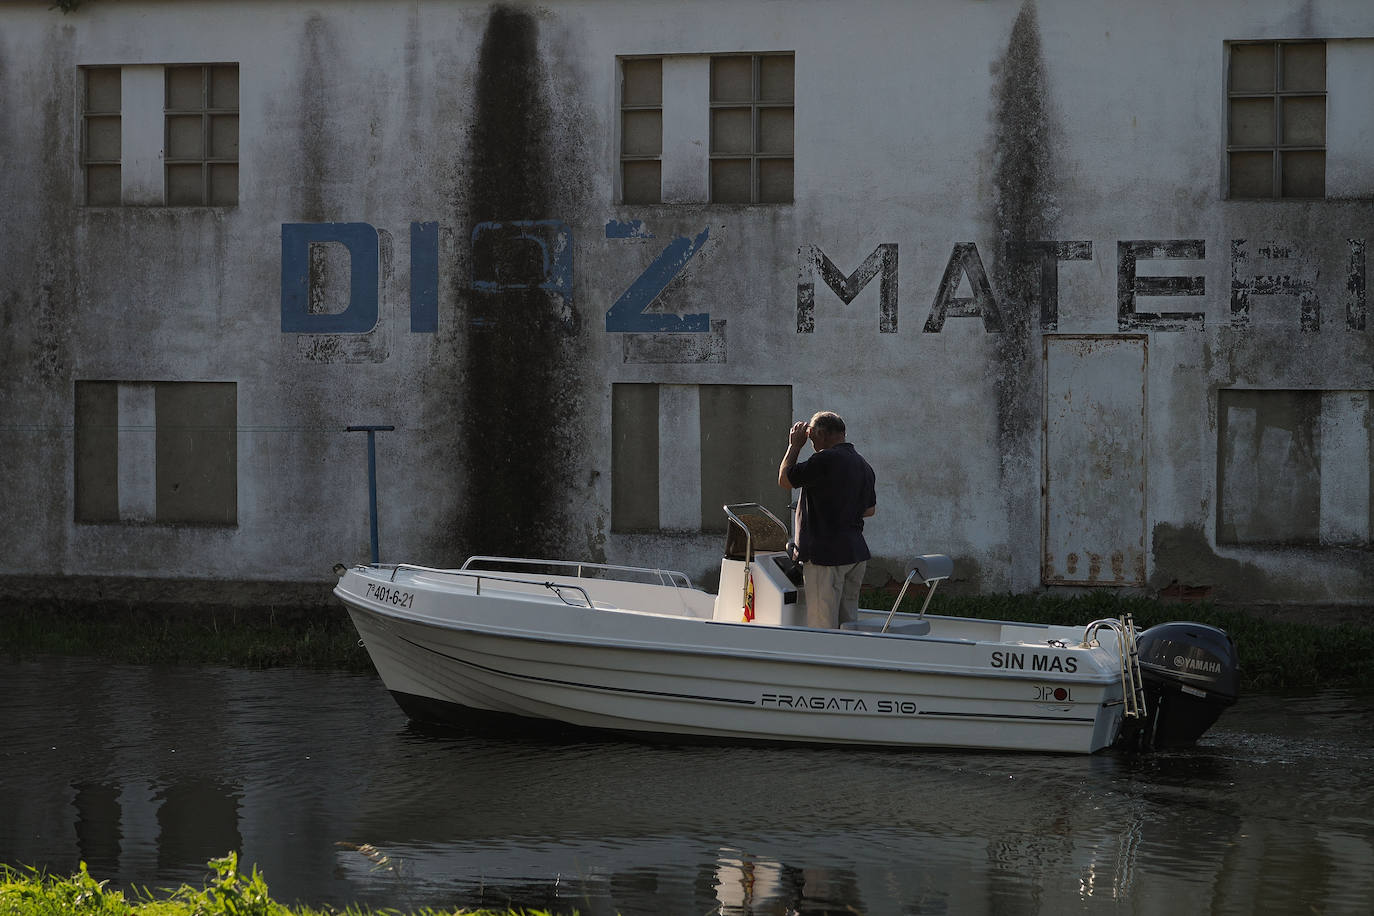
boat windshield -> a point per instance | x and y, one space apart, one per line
765 533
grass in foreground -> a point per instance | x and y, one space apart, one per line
25 892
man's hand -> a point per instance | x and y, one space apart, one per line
796 438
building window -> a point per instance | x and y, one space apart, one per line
1294 467
1276 119
697 128
681 452
100 135
156 452
202 135
751 129
641 130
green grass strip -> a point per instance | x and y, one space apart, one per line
229 892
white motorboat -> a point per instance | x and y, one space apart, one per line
642 651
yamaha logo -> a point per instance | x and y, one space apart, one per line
1184 663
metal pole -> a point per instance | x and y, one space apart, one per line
372 481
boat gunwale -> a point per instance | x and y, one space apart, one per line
1106 677
537 598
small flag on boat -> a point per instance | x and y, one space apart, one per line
749 599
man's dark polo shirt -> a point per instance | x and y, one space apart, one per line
837 488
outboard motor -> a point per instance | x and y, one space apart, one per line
1191 673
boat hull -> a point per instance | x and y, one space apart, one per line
666 674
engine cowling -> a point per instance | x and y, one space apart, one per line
1191 673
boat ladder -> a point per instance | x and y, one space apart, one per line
1132 687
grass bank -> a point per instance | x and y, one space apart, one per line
1279 647
152 634
24 892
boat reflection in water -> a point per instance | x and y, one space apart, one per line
763 830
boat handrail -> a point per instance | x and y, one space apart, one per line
1132 684
669 577
554 587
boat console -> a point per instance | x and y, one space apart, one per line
759 581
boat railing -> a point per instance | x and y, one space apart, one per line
1132 684
479 577
580 570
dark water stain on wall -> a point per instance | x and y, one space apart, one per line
519 404
1025 212
318 55
40 296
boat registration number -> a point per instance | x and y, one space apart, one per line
392 596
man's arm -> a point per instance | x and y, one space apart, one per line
870 495
796 438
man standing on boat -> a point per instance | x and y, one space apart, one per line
837 495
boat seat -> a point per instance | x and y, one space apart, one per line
915 628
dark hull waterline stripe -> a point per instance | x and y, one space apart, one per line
990 716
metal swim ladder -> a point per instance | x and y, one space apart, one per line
1132 686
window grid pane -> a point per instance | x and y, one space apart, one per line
775 131
775 181
641 130
643 83
1304 174
731 181
224 137
732 79
732 131
776 78
642 133
224 184
1304 120
1276 124
102 185
102 138
202 135
763 129
184 139
185 185
1253 69
643 180
1304 67
184 88
1252 174
1252 122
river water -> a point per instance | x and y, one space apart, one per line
145 773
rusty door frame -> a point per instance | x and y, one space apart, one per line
1045 339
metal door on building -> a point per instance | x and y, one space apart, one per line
1093 531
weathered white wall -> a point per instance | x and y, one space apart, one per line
918 125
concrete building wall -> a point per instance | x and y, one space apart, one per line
1011 262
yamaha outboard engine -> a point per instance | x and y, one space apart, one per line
1191 673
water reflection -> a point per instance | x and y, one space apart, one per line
145 773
